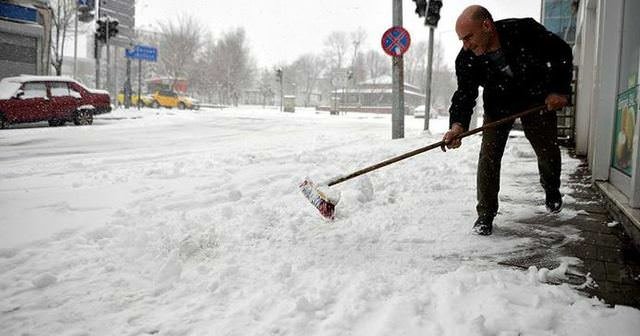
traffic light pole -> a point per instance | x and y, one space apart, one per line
108 80
97 52
427 101
397 88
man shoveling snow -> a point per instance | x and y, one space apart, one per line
519 64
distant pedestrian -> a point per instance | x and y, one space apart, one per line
519 64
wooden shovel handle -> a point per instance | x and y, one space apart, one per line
339 179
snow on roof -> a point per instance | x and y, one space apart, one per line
33 78
384 80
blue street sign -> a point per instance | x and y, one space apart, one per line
18 13
144 53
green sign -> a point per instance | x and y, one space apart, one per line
626 111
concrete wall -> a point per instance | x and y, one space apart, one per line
20 49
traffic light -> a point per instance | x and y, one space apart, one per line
101 30
113 28
279 75
421 7
433 13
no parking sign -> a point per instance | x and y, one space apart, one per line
396 41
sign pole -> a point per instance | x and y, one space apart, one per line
427 102
139 82
140 53
127 85
397 88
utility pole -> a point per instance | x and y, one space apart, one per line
427 100
279 77
75 42
397 87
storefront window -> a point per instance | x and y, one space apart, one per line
627 100
626 111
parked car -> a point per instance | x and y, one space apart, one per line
171 99
146 99
49 98
418 112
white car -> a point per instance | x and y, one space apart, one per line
418 112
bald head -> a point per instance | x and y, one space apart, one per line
476 30
473 14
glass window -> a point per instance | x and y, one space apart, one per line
559 18
59 89
34 90
74 92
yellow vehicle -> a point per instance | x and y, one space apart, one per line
146 100
170 99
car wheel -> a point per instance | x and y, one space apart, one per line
83 117
3 122
181 106
56 122
155 104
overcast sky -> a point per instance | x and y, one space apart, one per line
279 31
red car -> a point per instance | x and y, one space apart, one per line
54 99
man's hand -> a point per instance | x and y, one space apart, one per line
448 137
556 101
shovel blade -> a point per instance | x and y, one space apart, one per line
318 199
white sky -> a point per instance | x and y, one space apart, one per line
281 30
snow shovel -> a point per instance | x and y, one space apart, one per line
321 198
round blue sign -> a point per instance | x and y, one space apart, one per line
396 41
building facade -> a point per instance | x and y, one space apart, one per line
607 54
374 95
559 17
25 38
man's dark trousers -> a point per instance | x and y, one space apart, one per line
541 131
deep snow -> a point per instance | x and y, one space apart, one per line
170 222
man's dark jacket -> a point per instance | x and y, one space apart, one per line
540 62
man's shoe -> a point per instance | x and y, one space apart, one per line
553 201
483 226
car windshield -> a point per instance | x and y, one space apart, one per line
8 88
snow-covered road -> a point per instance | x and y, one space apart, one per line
191 223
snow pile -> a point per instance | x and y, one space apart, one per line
170 222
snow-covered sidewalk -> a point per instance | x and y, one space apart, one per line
191 223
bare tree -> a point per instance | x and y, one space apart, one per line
63 14
443 81
377 64
415 64
358 38
233 66
307 70
266 87
180 42
336 45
